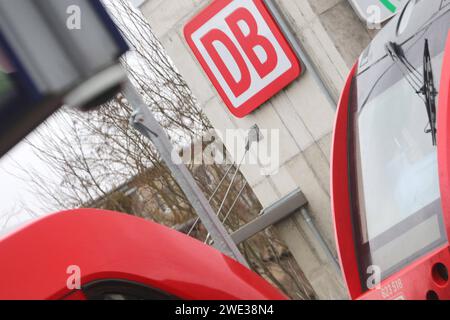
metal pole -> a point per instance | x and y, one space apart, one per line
275 213
144 121
305 59
320 239
301 54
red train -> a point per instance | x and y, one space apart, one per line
102 255
390 175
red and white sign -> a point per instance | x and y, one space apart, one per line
243 51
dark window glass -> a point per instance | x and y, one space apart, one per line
123 290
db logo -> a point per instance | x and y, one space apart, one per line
244 53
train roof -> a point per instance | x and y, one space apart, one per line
402 28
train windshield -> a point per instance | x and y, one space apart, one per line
395 183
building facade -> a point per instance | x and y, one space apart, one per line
333 36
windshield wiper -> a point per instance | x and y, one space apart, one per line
423 84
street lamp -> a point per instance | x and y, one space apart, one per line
54 52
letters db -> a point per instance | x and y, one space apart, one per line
243 52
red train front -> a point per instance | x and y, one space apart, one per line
390 167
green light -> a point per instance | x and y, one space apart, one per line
389 5
5 83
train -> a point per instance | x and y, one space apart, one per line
92 254
390 167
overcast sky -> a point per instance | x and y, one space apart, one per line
17 199
137 3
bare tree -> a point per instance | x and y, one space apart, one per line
100 161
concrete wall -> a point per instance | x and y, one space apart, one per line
334 37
